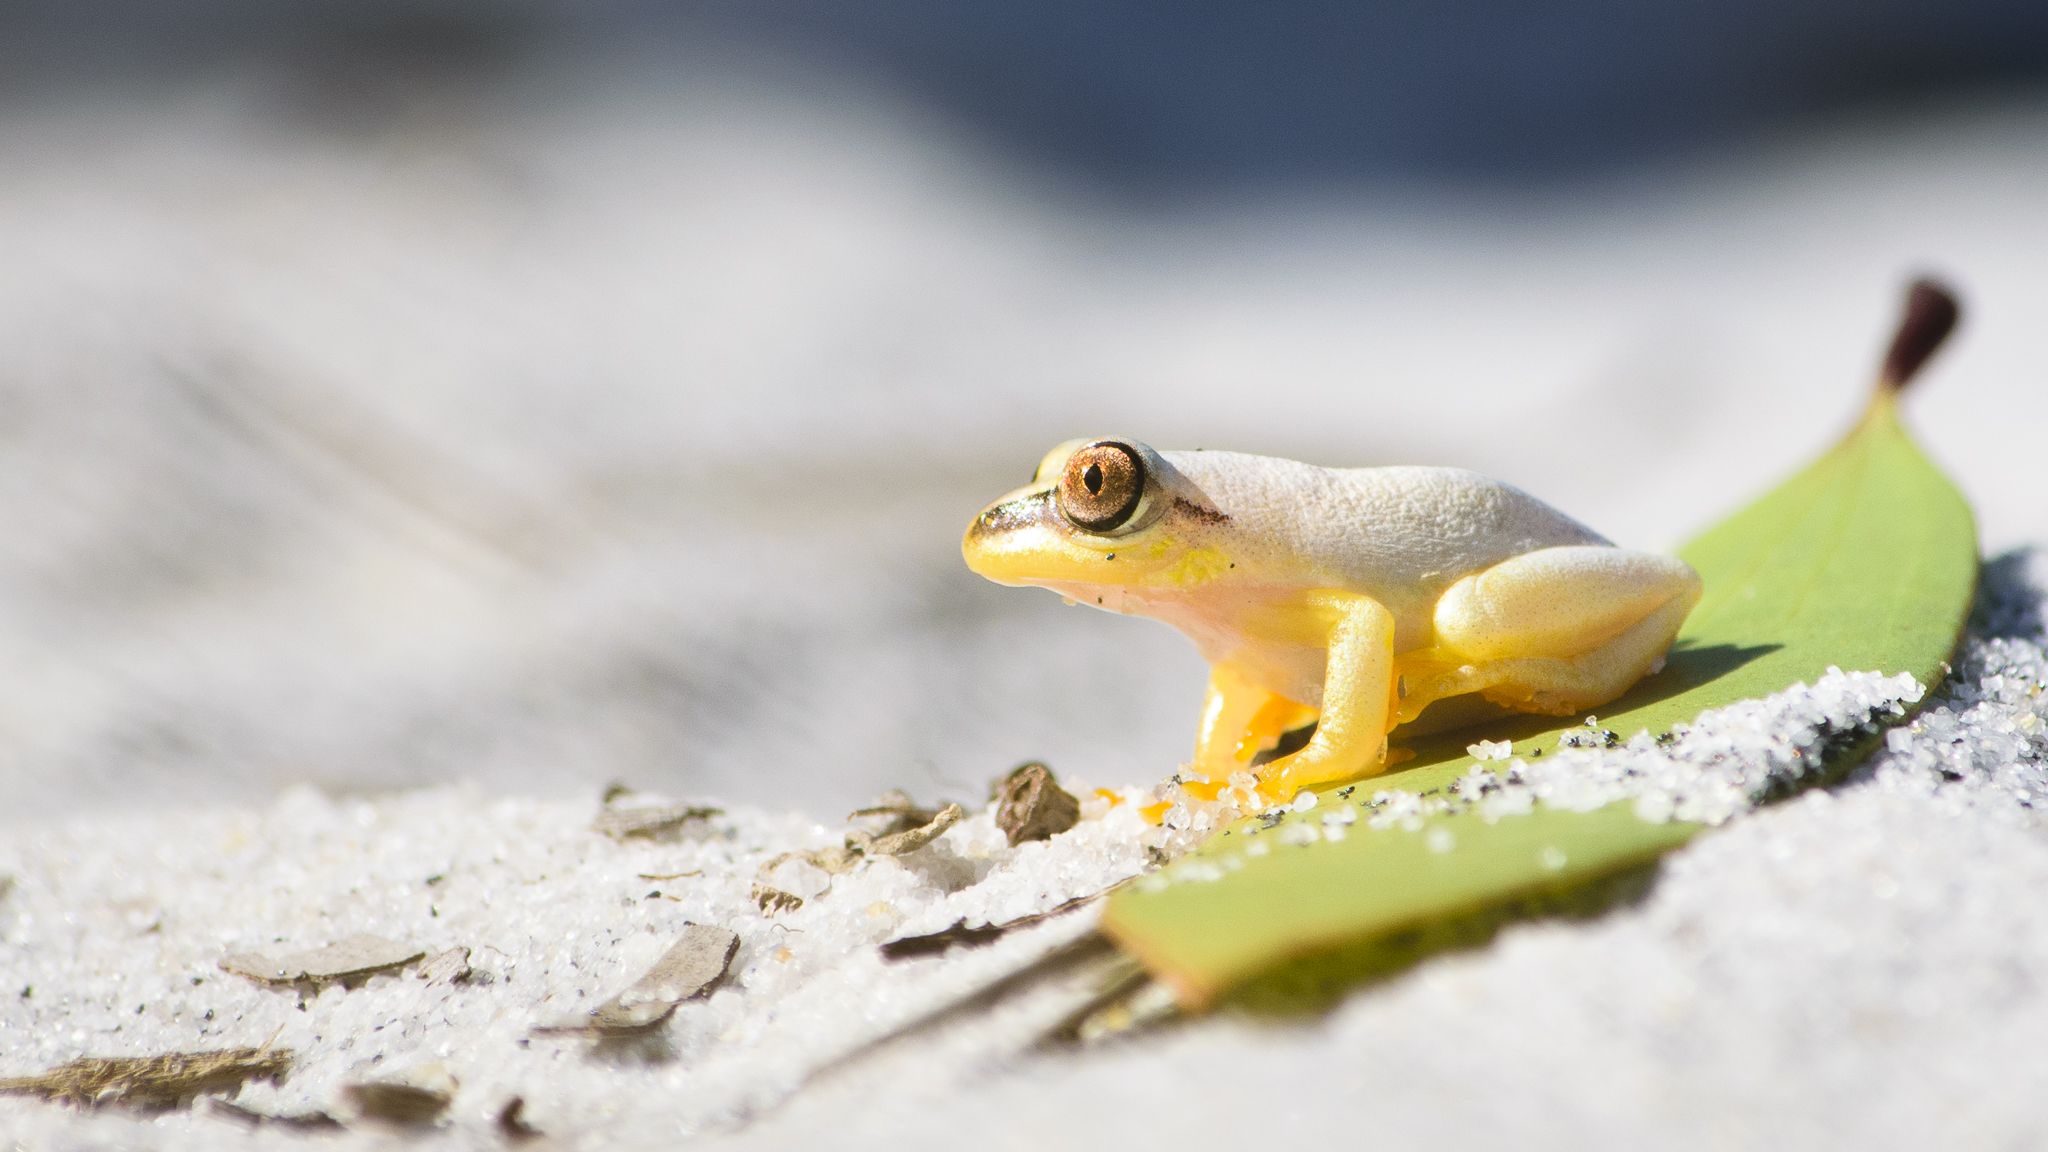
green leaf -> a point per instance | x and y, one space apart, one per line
1866 561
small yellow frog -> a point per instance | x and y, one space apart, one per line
1352 598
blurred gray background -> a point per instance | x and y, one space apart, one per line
546 394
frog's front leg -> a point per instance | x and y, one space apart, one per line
1241 719
1351 733
1227 712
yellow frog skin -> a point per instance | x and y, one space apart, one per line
1350 597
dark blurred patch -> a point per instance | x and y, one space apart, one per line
1159 93
348 67
358 67
1178 96
2008 603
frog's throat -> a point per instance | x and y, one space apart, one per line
1107 597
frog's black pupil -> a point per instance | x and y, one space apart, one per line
1093 479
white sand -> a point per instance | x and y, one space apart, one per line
1778 974
536 445
116 927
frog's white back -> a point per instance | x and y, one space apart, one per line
1400 535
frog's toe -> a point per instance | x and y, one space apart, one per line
1280 779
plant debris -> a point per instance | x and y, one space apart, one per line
774 901
901 813
907 841
314 1121
690 969
513 1126
1032 806
650 821
835 861
450 967
353 959
961 936
935 943
152 1081
412 1100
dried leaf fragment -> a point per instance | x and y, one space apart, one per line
697 961
450 967
1032 806
620 823
906 842
691 968
418 1096
399 1103
152 1081
774 901
314 1121
836 861
355 958
901 813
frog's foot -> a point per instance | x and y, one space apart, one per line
1280 779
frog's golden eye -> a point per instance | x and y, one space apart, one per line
1101 485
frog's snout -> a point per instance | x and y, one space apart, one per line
1006 516
986 529
995 545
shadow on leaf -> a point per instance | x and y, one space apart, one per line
1688 667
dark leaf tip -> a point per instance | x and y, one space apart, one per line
1931 314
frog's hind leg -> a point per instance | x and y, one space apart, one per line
1554 631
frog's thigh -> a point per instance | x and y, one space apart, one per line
1533 625
1559 602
